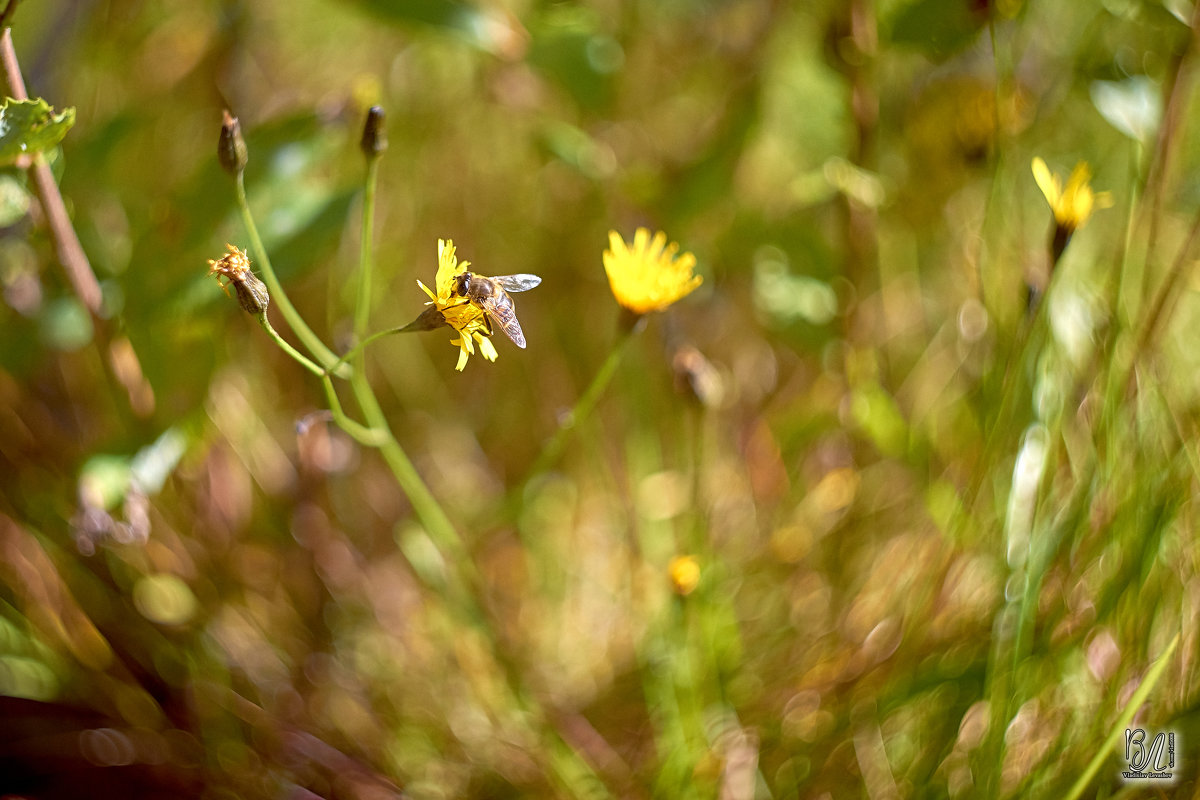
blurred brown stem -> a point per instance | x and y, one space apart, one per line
66 243
9 9
1164 302
119 356
1176 107
860 220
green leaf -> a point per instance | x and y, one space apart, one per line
31 126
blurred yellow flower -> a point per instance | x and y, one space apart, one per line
684 572
466 318
1073 205
648 276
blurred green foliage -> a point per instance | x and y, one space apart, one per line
944 534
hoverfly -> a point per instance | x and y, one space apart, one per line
491 294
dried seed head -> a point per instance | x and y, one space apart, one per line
231 147
252 294
234 266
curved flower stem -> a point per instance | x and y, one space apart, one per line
430 318
314 344
367 437
370 437
302 359
357 350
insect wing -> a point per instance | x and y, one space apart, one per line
501 310
522 282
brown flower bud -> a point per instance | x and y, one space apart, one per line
231 147
374 136
234 266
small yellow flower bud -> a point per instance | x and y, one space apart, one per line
684 572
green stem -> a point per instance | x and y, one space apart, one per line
1012 388
311 341
437 524
362 309
585 405
368 437
362 345
303 360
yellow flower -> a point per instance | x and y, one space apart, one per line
466 318
1072 206
648 276
684 572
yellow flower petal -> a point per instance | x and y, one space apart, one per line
448 268
649 276
1073 205
1047 182
486 348
468 320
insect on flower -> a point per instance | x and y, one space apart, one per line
234 266
491 295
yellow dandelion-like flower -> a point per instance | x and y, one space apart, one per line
648 276
684 572
1073 205
467 319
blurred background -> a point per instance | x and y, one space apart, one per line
856 518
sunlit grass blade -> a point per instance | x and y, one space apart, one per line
1104 752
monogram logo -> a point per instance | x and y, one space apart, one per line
1149 759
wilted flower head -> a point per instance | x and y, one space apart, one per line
467 319
1073 205
648 276
234 266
